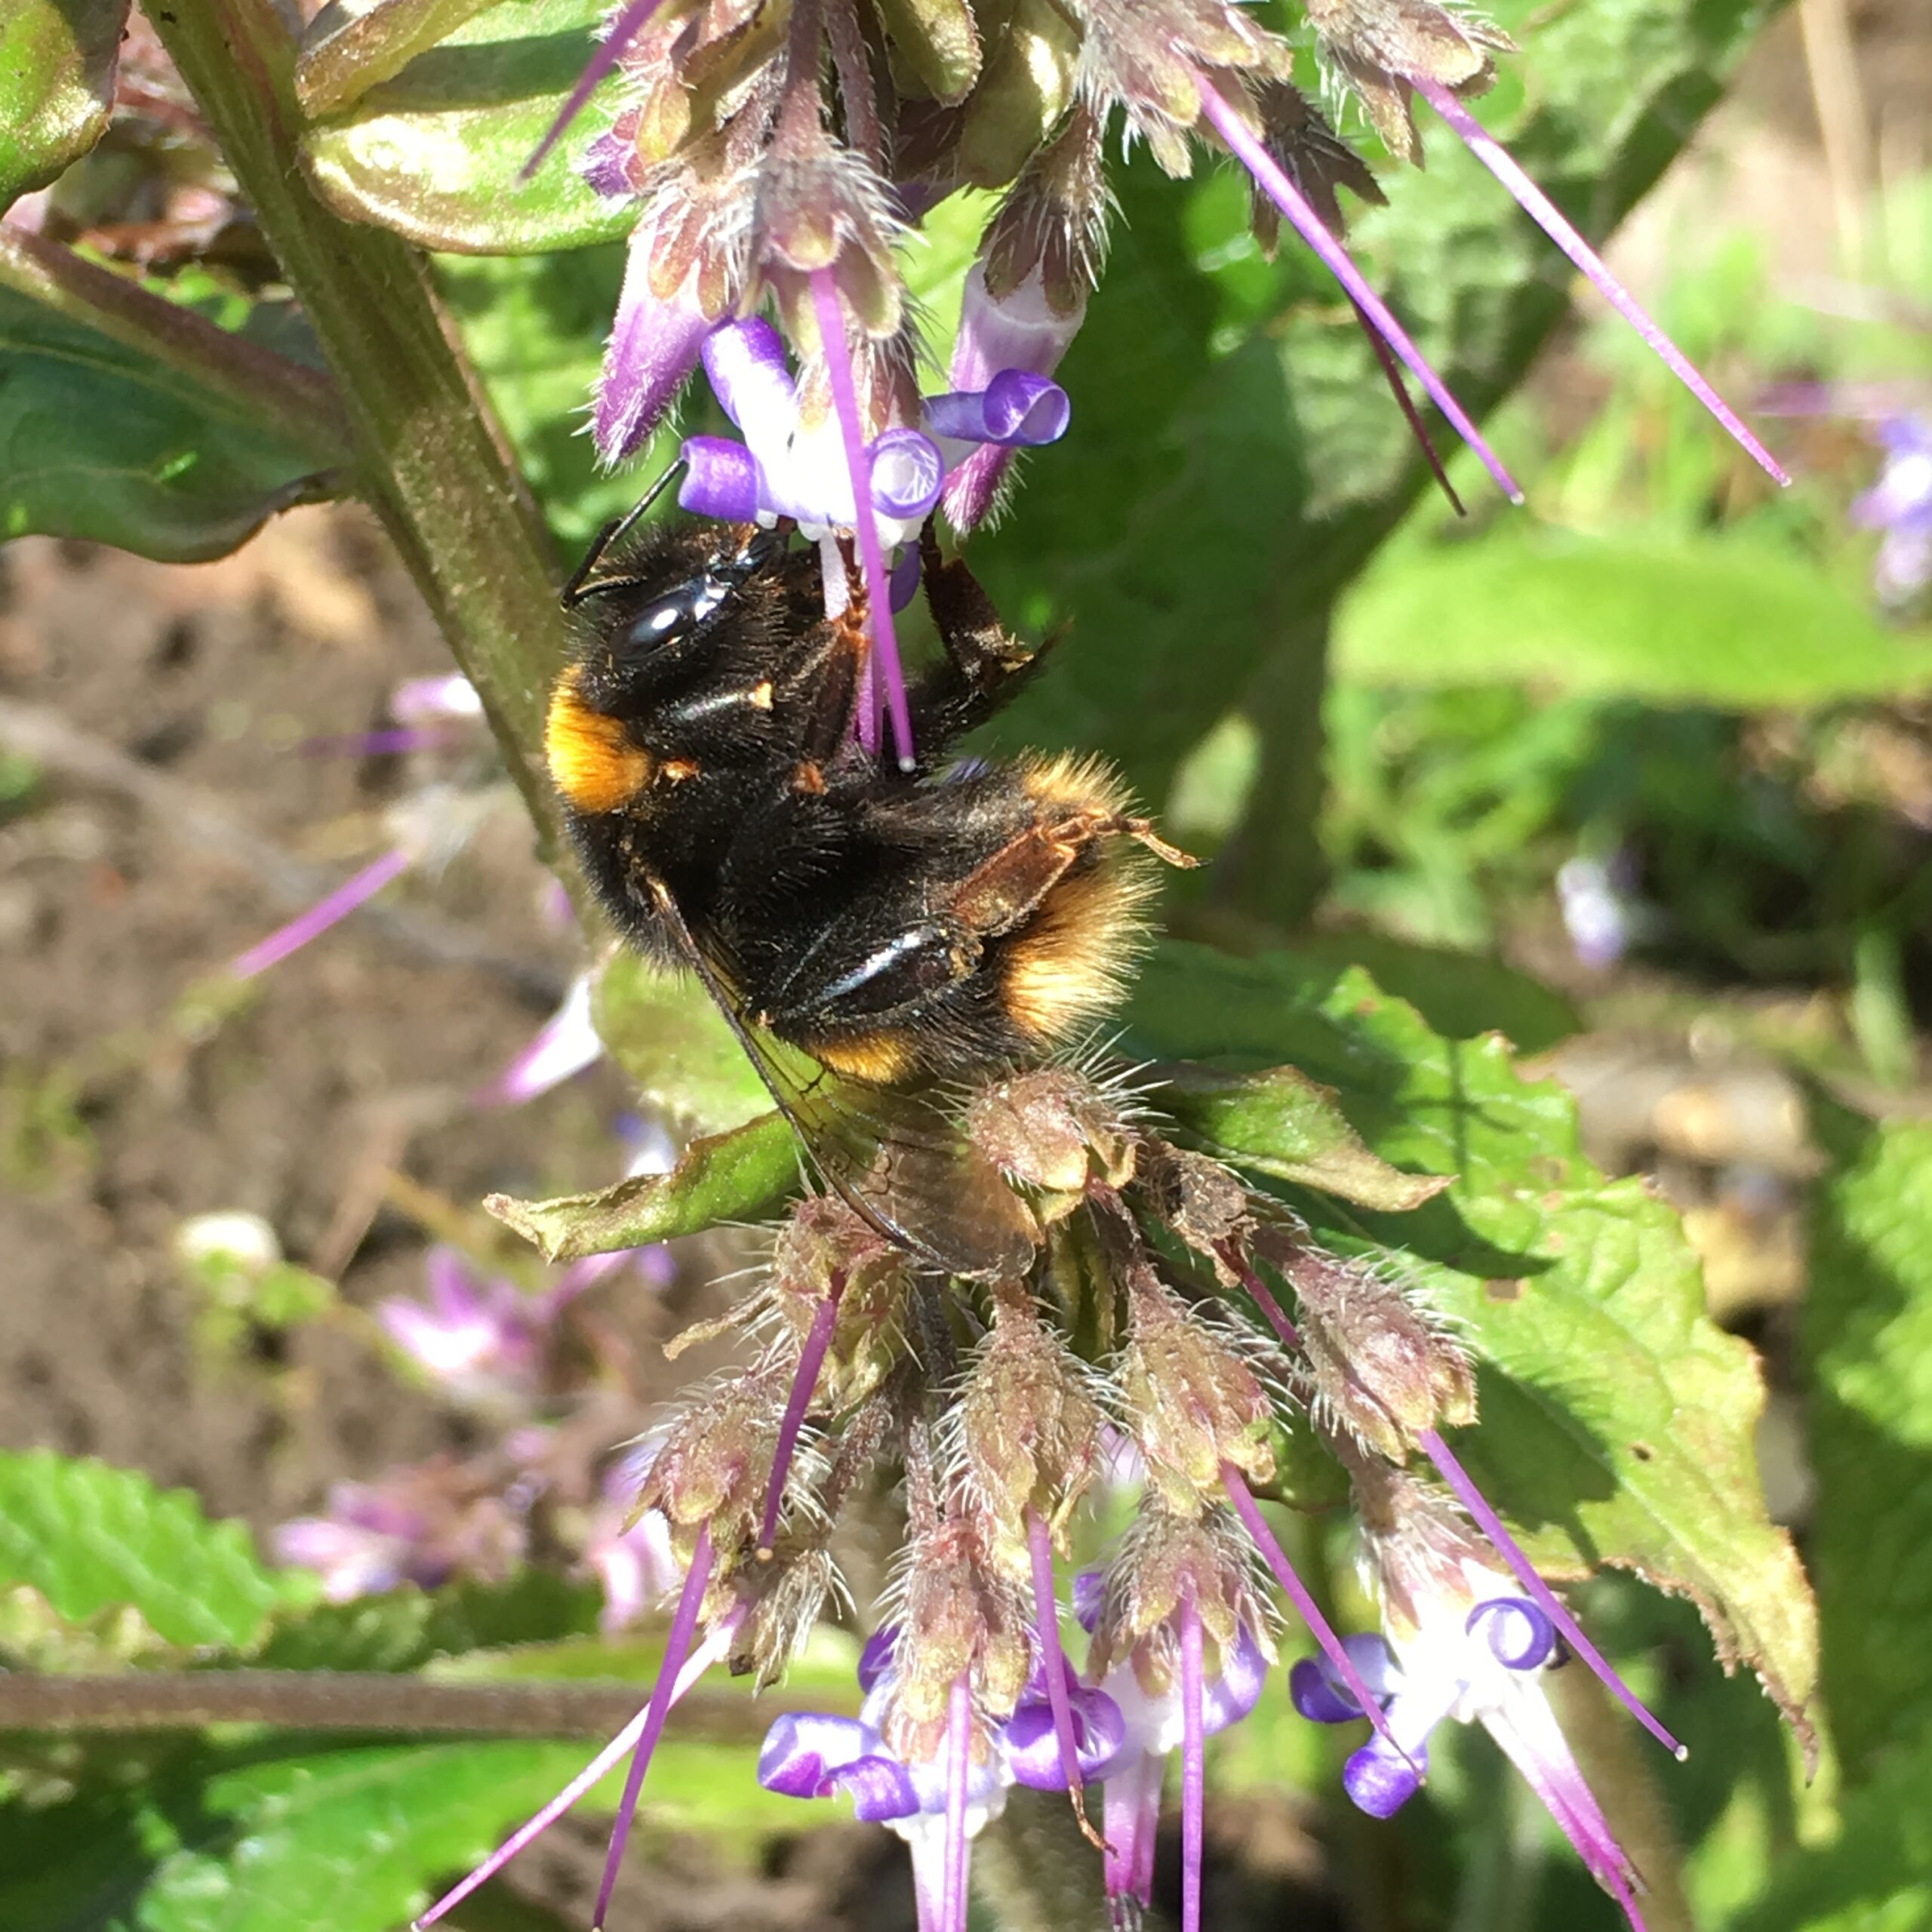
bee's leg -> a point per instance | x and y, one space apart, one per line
986 665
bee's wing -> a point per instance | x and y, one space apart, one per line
899 1158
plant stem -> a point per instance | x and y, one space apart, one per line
429 455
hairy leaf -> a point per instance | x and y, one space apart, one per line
1702 621
57 59
664 1031
99 440
1617 1422
89 1538
437 154
740 1175
1868 1344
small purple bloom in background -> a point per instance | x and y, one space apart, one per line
421 1524
633 1561
1599 911
1899 504
483 1341
560 1049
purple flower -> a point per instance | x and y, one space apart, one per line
561 1048
653 346
1009 346
483 1340
1475 1654
1900 504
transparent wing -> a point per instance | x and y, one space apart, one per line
898 1157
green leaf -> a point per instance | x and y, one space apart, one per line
57 59
89 1538
403 1629
666 1033
1867 1330
99 440
437 154
348 52
1875 1875
1280 1122
1617 1420
1709 621
741 1175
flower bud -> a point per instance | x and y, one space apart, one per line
1203 1202
826 1248
1028 1427
1052 1129
1191 1402
1382 1369
1380 46
711 1465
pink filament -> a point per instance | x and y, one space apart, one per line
623 30
1297 1592
959 1760
1551 220
1258 1289
811 1359
324 913
1473 1500
684 1623
1193 1765
714 1646
1046 1605
1253 154
858 460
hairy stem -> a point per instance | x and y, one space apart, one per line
428 453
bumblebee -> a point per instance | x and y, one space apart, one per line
871 932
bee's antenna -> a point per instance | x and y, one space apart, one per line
580 585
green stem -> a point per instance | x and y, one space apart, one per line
430 456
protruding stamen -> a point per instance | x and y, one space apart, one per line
593 1773
1297 1592
1252 153
324 914
1259 1292
623 30
959 1767
1473 1499
1411 415
838 354
811 1359
1551 220
677 1645
1193 1764
1046 1610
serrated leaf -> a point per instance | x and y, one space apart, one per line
57 59
666 1033
1280 1122
1617 1420
1867 1328
1704 621
743 1175
437 154
403 1629
89 1538
99 440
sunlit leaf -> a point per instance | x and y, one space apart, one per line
89 1538
437 154
57 59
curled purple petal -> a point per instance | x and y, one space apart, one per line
1519 1635
1089 1588
804 1750
907 472
745 361
880 1788
1018 408
1033 1743
1378 1781
1229 1698
875 1660
1317 1699
721 480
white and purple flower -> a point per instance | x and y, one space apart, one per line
1899 504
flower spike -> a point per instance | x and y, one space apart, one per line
1252 152
1473 1499
677 1646
878 594
1550 219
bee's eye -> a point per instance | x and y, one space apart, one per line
679 613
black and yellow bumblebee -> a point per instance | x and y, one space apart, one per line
872 933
